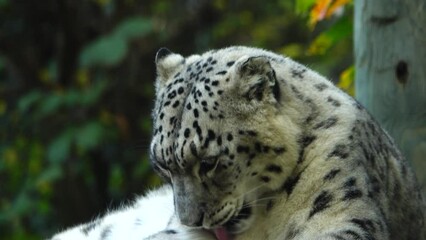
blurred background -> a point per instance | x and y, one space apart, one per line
76 90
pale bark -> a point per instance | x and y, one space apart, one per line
390 50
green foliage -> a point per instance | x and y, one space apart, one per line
110 49
303 6
76 97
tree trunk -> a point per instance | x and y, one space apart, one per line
390 52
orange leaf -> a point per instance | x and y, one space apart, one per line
325 9
319 11
336 5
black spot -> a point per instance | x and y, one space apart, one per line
206 166
266 149
304 142
274 168
106 232
290 183
229 64
401 72
279 150
196 114
298 72
258 147
326 123
187 132
170 231
265 179
352 194
333 102
351 182
340 151
293 231
241 149
176 104
331 174
193 149
211 135
219 140
353 234
365 224
226 151
321 86
90 226
276 91
229 137
209 69
172 94
188 106
215 83
180 90
251 133
221 73
321 203
375 187
167 103
171 121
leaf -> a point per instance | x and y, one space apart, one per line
303 6
323 42
53 172
325 9
335 6
346 81
106 51
4 3
293 50
29 100
60 147
89 135
320 45
318 12
92 95
49 104
133 27
109 50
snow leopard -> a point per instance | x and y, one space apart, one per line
254 145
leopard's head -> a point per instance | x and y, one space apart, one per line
218 135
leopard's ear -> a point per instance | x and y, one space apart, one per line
167 63
257 79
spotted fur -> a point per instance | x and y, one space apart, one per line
266 148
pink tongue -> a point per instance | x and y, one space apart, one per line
221 234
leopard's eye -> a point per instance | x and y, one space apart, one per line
208 165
